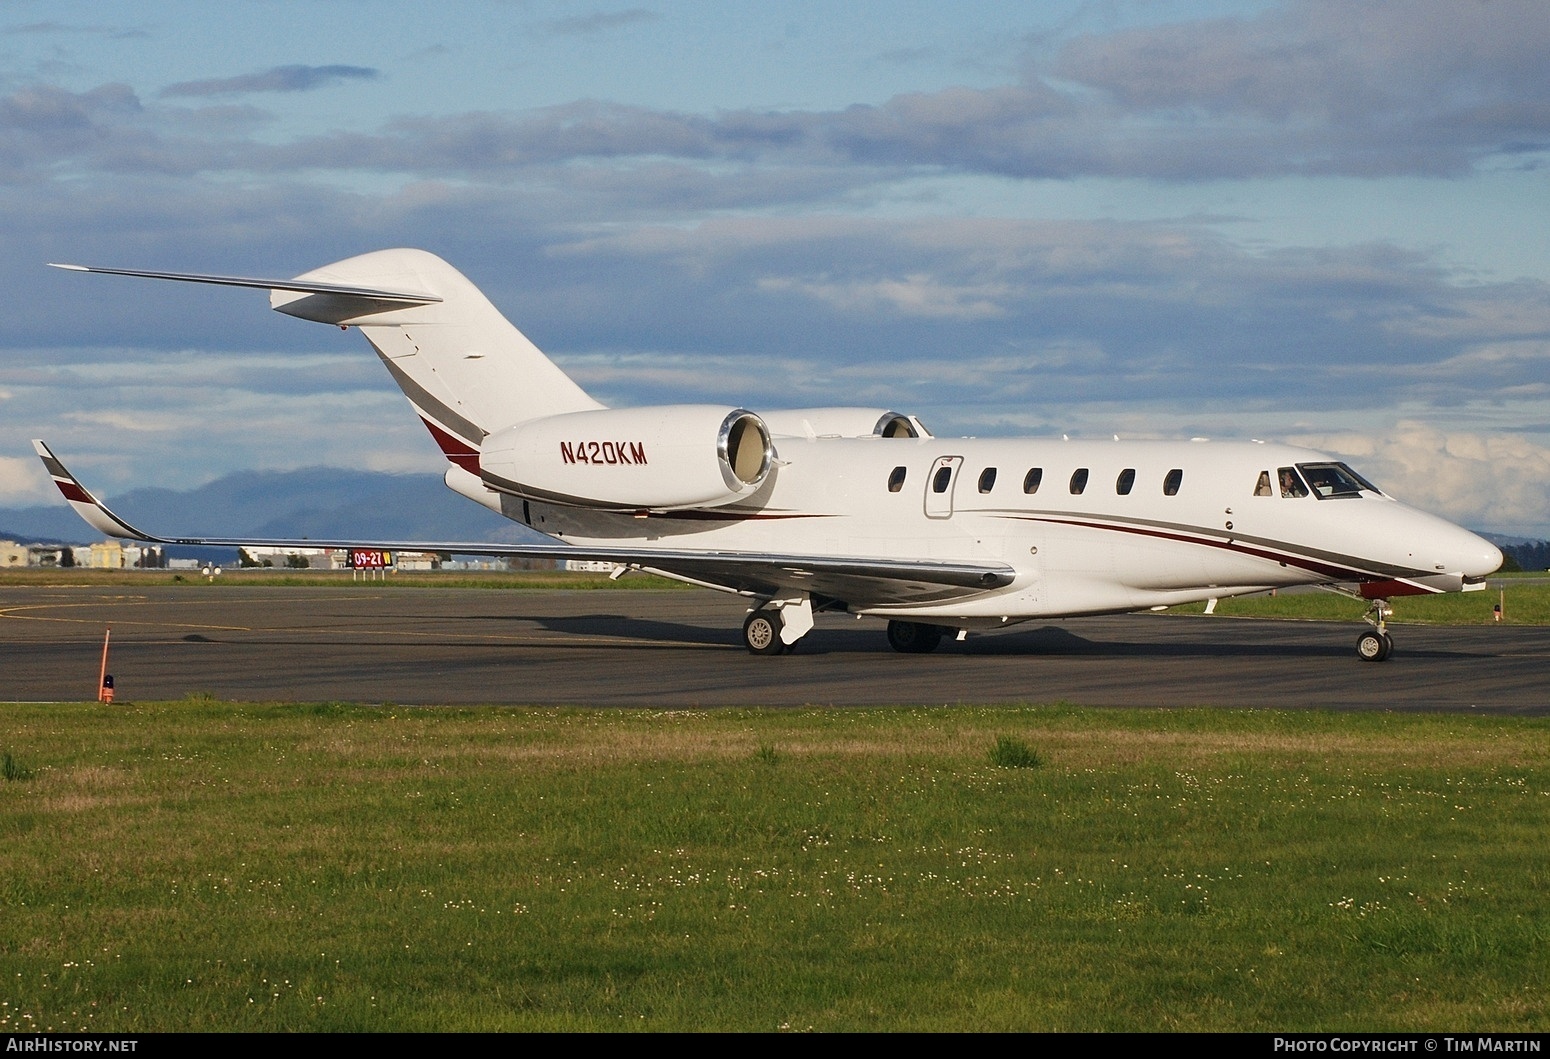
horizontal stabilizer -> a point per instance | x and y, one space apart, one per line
326 303
299 286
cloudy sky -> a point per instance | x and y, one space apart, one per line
1324 221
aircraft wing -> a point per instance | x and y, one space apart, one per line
863 580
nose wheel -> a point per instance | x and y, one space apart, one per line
1375 645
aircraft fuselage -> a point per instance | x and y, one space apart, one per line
1090 526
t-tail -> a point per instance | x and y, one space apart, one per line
466 370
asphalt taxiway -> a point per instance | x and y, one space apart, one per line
372 643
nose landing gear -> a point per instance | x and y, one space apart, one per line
1375 645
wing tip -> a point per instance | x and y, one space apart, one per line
91 510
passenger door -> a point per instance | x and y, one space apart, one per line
940 484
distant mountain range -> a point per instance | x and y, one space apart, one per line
319 502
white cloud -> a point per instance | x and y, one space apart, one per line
917 294
22 482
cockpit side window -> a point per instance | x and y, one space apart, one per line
1335 481
1364 483
1262 487
1291 483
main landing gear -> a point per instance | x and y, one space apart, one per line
774 627
1374 645
913 637
761 633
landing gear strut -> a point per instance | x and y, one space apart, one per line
1374 645
913 637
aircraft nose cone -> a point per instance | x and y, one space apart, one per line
1467 553
1479 557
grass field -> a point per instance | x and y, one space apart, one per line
203 865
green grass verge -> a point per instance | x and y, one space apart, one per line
208 866
1522 604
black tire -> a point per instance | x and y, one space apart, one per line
913 637
1373 646
761 633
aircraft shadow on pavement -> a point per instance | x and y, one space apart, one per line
1047 641
1245 640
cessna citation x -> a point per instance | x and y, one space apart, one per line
856 510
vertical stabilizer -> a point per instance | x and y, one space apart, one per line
465 368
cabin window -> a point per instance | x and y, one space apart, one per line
1291 483
1032 479
987 479
896 480
1172 482
1262 487
1078 481
942 479
1125 482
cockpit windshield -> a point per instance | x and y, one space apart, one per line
1334 481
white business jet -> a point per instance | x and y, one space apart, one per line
855 510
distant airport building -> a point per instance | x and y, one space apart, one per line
476 564
338 559
286 558
14 555
48 555
116 555
587 566
104 555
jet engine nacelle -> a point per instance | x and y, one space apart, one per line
664 457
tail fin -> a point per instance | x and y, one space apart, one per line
464 368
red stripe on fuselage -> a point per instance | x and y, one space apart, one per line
1345 573
1385 589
